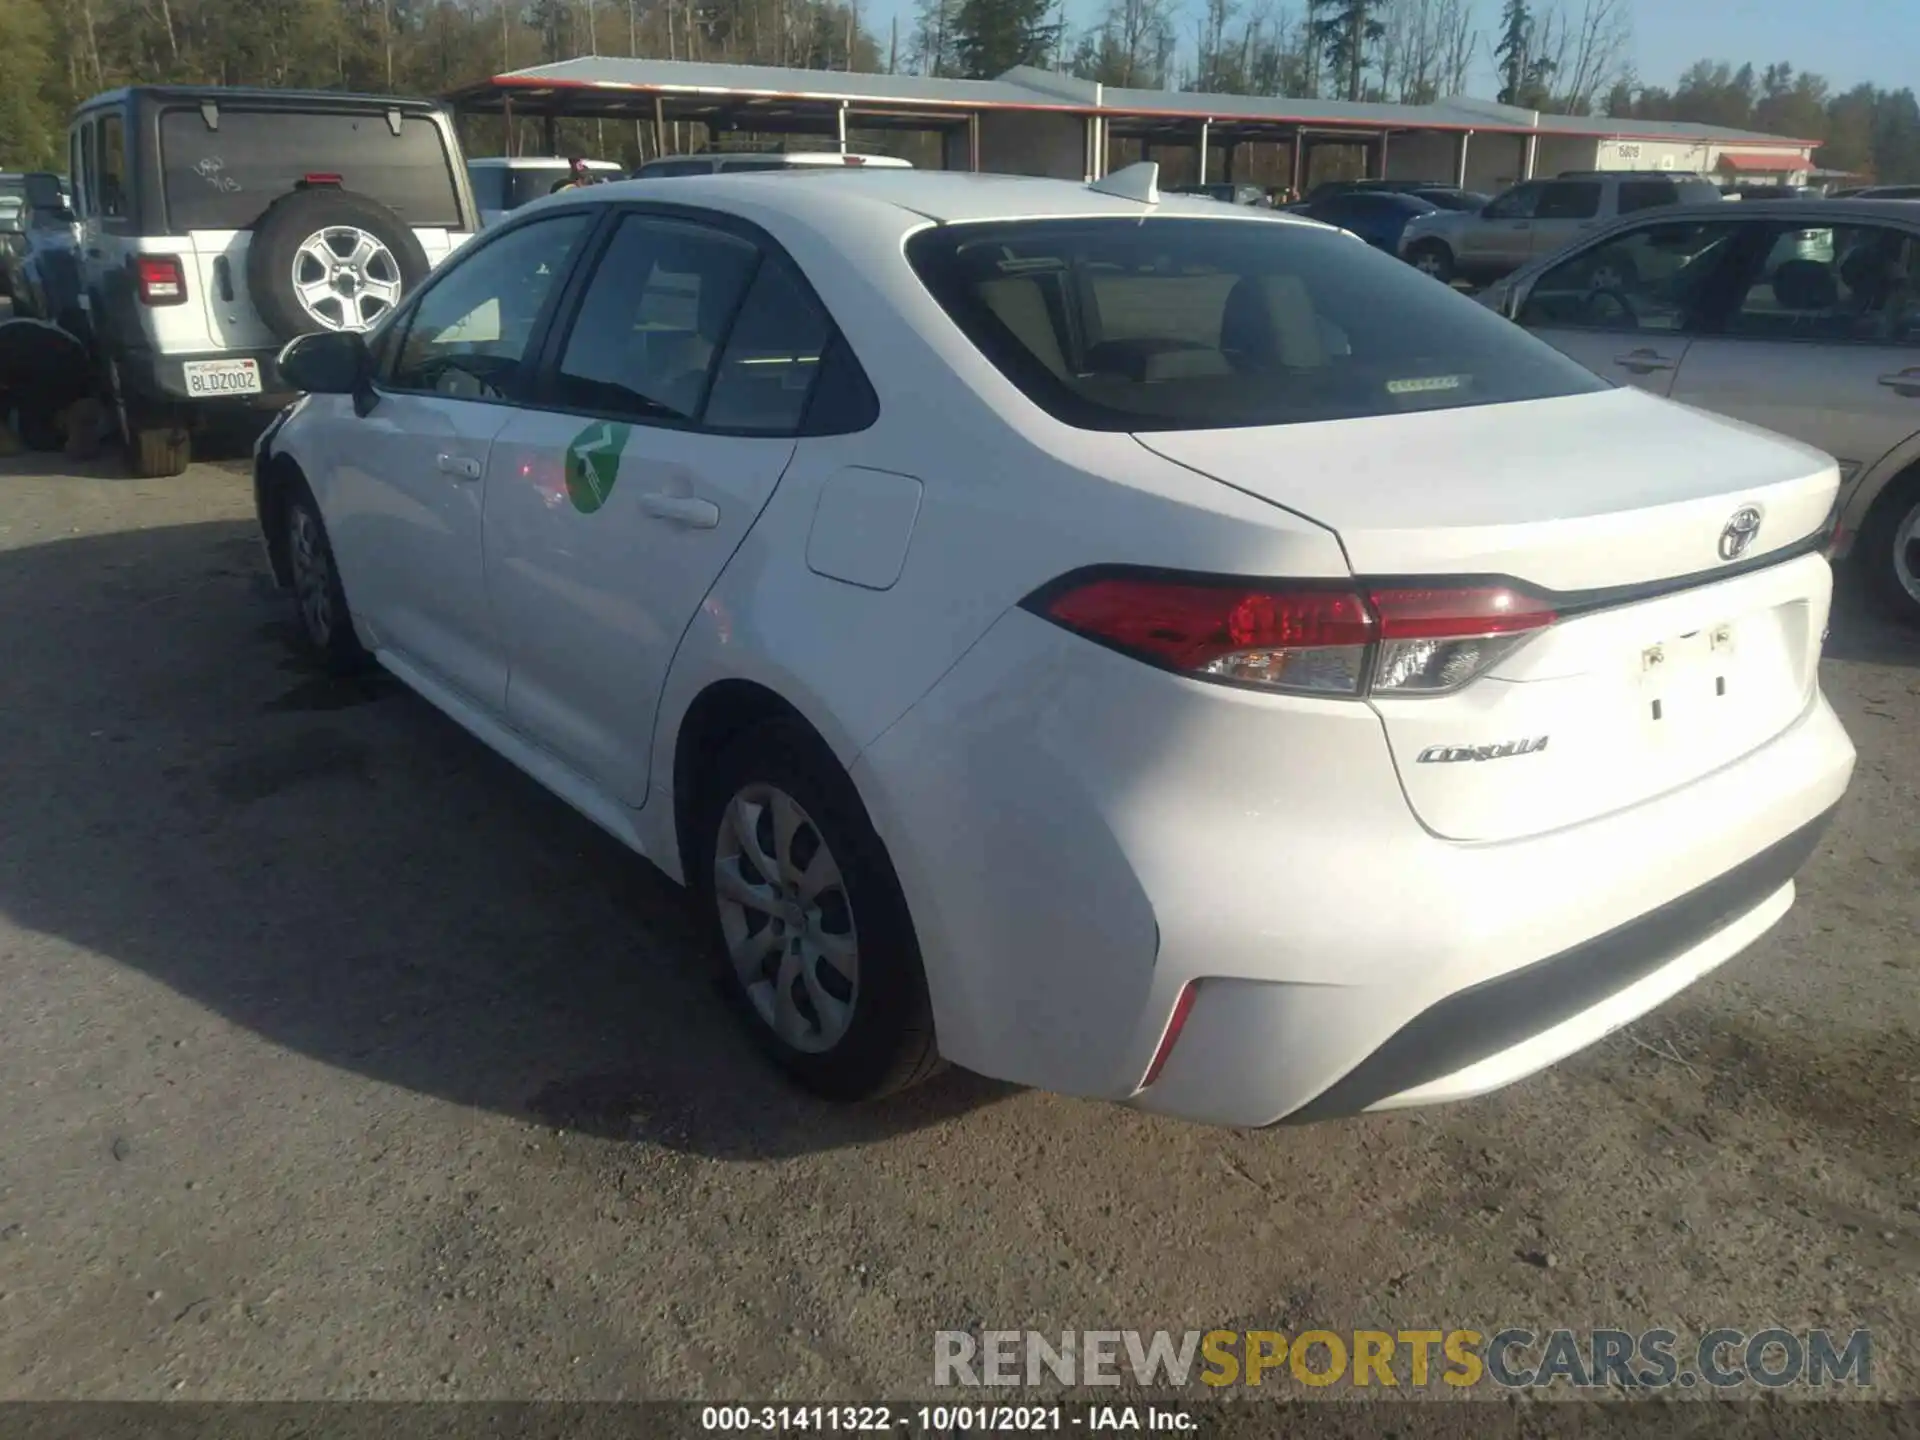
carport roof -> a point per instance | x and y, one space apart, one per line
698 79
610 84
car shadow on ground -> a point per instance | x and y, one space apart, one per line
226 443
1862 633
339 869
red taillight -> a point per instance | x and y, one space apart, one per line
159 280
1436 638
1182 1006
319 179
853 159
1303 638
1450 612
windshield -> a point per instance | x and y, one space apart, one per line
1185 323
224 179
1456 199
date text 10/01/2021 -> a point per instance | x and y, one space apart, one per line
1100 1419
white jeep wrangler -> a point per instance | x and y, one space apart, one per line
216 224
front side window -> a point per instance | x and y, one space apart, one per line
1518 203
655 314
1184 323
1654 279
468 336
1570 200
1847 283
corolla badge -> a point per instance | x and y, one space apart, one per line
1453 754
1738 534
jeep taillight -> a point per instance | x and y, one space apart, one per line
1304 637
159 280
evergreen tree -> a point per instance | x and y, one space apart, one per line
1513 51
1346 32
993 36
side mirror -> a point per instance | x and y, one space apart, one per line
330 362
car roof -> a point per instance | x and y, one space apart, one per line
812 195
256 97
1831 211
533 162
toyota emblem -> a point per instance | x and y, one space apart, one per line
1736 537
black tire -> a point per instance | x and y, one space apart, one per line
41 426
1434 258
158 447
294 220
888 1043
1882 555
319 600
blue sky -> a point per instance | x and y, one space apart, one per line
1845 40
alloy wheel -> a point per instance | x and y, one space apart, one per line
345 278
1906 552
786 918
312 575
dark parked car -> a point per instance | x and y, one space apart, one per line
1376 216
1329 188
42 260
1227 194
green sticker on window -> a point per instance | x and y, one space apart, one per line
593 464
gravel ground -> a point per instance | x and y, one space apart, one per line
340 1061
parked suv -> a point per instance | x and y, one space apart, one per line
1537 217
502 184
216 224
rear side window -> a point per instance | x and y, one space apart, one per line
1186 323
675 167
1646 194
223 179
772 357
489 184
524 183
1570 200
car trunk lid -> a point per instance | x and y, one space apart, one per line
1676 551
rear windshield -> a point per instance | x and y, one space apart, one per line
527 182
223 179
1186 323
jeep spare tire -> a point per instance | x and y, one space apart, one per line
328 259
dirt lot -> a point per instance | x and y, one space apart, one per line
338 1060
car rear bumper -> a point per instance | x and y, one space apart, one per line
157 378
1081 837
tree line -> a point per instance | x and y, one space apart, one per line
1564 56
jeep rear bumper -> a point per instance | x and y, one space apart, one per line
155 379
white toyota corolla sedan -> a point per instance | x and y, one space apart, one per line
1137 647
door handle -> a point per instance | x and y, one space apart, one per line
1904 382
1643 362
682 510
461 467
